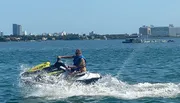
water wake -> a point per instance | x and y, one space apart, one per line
106 86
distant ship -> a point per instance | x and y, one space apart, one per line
138 40
133 40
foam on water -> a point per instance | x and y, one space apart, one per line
107 86
24 67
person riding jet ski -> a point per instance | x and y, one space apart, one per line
76 72
79 61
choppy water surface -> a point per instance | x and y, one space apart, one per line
132 73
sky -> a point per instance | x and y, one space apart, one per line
83 16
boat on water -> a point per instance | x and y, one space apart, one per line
132 40
138 40
170 41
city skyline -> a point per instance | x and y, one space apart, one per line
143 30
103 17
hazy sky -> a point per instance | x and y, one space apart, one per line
83 16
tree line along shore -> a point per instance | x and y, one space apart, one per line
7 38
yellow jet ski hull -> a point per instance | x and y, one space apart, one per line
40 67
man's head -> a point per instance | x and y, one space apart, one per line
78 52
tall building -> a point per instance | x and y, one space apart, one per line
160 31
166 31
145 30
1 33
174 31
17 29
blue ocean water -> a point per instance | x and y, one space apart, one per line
132 73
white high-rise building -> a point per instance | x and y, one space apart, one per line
24 33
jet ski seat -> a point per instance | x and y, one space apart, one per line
79 74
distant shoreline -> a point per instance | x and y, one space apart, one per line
40 38
64 37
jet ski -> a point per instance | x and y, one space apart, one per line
59 69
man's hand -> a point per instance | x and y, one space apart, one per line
72 66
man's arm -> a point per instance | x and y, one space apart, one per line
65 56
